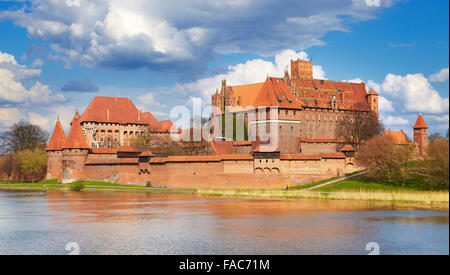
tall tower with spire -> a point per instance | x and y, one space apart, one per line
54 152
421 135
75 152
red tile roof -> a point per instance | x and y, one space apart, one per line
104 150
321 94
58 139
372 92
236 157
76 138
99 161
398 137
223 147
193 159
121 110
299 157
128 149
146 154
273 92
420 123
112 110
332 155
348 148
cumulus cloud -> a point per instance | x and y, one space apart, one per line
253 71
134 34
12 89
20 72
385 105
416 93
395 121
441 76
149 99
9 116
82 86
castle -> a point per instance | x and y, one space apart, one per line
99 144
309 110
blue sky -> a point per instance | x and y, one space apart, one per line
55 56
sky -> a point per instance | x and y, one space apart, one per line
57 55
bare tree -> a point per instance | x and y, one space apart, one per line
23 136
8 165
385 159
359 125
438 151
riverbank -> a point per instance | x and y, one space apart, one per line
353 189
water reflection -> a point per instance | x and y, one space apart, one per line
139 223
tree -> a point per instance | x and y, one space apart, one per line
385 159
32 163
359 125
438 151
23 136
8 165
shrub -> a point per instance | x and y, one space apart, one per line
77 186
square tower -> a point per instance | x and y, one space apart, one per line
301 69
421 135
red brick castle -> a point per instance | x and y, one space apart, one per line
99 144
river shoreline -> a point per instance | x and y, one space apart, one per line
438 199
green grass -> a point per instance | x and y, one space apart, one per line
414 183
89 186
306 186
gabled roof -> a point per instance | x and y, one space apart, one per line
246 94
321 94
76 138
274 92
58 139
112 110
398 137
420 123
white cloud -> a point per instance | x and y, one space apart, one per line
395 121
13 91
415 92
441 76
149 99
385 105
20 72
253 71
9 116
356 80
39 120
112 33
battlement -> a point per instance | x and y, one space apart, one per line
301 69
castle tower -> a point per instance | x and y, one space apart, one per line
301 69
372 99
227 94
421 135
75 152
54 152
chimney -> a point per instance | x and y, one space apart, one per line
107 114
139 115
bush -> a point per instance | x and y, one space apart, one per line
77 186
32 164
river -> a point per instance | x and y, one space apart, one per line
138 223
